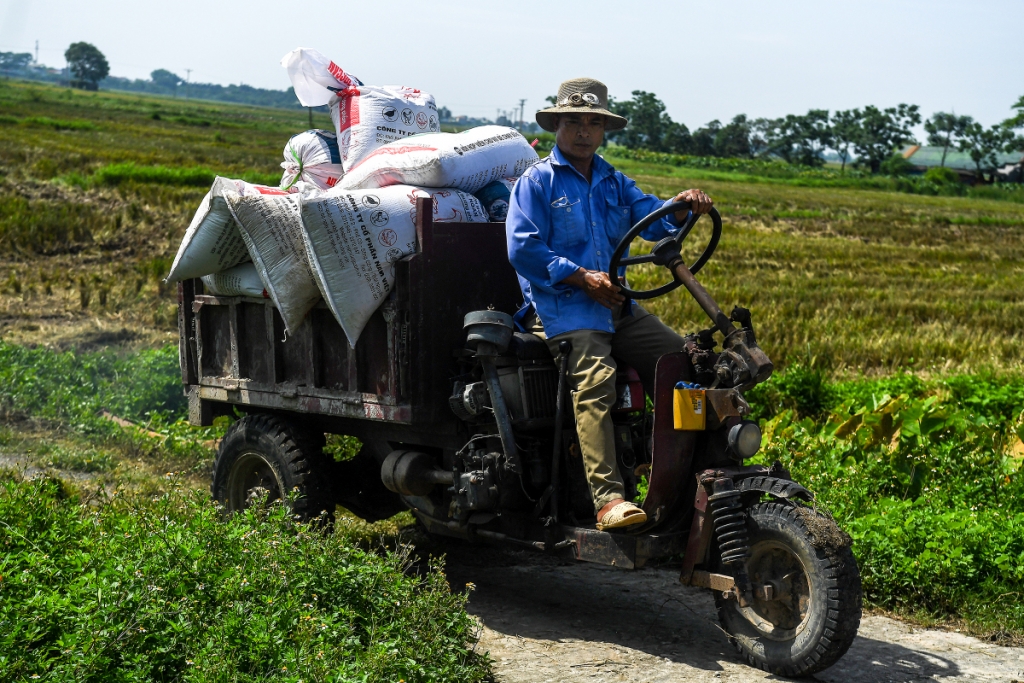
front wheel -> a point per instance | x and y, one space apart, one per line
815 606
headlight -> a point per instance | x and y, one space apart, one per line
745 439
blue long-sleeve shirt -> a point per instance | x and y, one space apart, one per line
558 222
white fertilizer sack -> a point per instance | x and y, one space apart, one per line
368 117
467 161
450 206
271 228
365 116
212 242
314 77
312 157
354 238
242 280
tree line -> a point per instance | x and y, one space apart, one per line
89 70
871 134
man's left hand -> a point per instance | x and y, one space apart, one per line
700 203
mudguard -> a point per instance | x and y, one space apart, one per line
773 486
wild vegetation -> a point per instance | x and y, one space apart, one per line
895 320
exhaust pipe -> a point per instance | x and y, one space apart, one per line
411 473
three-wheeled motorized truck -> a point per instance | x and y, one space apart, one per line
467 423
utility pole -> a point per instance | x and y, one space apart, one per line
188 75
37 51
522 104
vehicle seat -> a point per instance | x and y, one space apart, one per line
528 346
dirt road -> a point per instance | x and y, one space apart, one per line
550 621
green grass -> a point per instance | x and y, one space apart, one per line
133 588
859 282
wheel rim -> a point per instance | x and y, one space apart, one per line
785 616
251 477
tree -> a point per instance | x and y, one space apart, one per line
760 134
165 79
883 131
984 144
1016 121
677 139
846 131
799 139
88 65
945 130
704 139
733 139
15 61
444 114
648 121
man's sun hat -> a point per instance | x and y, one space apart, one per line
580 96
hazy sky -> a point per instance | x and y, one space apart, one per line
705 60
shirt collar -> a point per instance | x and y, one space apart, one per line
601 169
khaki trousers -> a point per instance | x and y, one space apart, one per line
639 341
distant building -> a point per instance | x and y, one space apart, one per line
1008 168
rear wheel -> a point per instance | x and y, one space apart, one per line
264 455
814 612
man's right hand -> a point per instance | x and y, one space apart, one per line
598 287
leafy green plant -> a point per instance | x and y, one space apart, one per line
142 589
927 478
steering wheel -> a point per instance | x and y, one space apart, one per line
666 251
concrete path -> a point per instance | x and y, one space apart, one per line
548 621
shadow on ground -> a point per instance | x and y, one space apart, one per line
548 620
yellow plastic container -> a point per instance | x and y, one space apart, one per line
690 410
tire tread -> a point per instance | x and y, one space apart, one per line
842 619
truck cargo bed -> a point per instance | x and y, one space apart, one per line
234 352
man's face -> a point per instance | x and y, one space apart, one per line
579 135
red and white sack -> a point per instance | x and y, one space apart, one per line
369 116
271 228
242 280
353 239
466 161
312 157
365 116
212 242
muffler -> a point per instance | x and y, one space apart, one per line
411 473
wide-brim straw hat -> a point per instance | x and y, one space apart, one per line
580 96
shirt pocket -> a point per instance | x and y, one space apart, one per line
617 222
569 224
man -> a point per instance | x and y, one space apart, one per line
566 215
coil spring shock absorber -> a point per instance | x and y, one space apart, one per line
731 531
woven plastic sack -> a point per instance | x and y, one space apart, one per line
466 161
212 242
368 117
271 228
242 280
494 197
312 157
354 238
365 116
